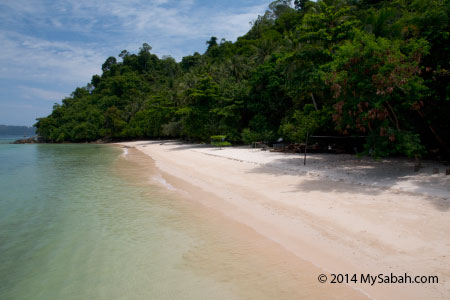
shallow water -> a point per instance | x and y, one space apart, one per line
87 222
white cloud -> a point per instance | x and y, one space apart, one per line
235 25
43 94
166 27
63 43
38 59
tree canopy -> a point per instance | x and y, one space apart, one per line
379 69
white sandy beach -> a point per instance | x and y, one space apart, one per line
345 215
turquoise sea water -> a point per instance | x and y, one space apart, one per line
72 228
88 222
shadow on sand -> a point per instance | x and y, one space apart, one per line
360 176
343 174
179 145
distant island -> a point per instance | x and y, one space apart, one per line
17 130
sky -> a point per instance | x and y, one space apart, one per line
48 48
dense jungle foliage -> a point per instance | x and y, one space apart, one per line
379 69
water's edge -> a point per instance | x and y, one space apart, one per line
97 222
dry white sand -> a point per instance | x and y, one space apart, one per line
345 215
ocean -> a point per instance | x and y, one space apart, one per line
71 228
86 221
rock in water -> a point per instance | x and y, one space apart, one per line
25 141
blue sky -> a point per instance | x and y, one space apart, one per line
48 48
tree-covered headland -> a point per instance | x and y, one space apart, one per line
379 69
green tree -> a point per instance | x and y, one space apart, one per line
337 67
376 84
211 43
197 118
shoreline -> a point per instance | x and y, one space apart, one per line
227 251
340 226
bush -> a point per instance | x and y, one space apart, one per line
219 141
250 136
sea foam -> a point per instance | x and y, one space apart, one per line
158 178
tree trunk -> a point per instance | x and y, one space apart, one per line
314 101
438 138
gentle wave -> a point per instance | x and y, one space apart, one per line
159 179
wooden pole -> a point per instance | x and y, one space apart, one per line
306 146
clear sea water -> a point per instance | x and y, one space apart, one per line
87 222
71 228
